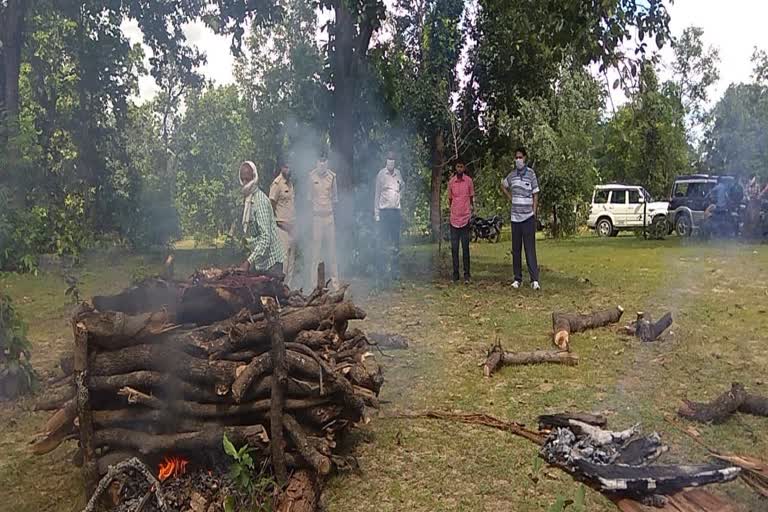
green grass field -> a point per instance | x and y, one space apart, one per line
718 294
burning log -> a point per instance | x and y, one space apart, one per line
722 407
498 357
646 329
563 324
147 384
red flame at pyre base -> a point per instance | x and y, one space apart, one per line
171 467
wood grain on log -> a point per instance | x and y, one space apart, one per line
563 324
162 384
302 494
197 410
498 357
301 320
319 462
190 442
163 359
83 402
277 396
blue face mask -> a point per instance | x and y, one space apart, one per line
519 164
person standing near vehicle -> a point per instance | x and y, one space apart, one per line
386 212
282 196
461 200
522 189
323 197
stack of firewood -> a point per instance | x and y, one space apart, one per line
151 379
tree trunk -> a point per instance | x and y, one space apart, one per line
555 223
12 36
344 94
438 167
563 324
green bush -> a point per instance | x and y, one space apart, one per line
16 374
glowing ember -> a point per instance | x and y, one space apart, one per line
171 467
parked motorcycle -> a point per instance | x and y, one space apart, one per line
486 229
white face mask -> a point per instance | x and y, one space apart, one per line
519 164
390 165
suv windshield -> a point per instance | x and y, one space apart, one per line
648 197
692 189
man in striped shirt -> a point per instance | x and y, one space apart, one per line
522 189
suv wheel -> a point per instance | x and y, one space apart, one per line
683 225
604 227
658 228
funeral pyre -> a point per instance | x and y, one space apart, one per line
164 371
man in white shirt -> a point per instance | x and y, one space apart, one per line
386 212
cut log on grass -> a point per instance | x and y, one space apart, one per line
716 411
563 324
646 329
302 494
498 357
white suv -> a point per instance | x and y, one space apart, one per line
618 207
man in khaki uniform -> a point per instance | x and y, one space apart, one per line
323 196
282 195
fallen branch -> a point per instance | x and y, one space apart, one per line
512 427
716 411
497 358
563 324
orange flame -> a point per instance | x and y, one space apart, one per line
171 466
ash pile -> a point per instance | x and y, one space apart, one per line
171 374
623 463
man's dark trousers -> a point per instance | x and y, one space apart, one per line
389 235
524 235
460 235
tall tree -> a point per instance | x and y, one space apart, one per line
12 18
695 69
645 141
349 37
427 47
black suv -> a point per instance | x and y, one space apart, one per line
688 201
